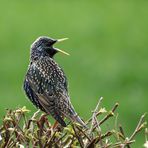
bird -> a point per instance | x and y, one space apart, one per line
46 84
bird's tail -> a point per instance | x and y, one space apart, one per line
75 117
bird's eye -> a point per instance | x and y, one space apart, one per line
48 44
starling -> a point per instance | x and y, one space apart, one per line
45 83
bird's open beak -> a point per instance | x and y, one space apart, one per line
60 40
61 51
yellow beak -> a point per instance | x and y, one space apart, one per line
60 40
61 51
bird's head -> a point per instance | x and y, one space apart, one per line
43 46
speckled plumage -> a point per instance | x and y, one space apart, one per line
46 84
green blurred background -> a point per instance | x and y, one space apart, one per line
108 43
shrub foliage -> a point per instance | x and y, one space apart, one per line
18 130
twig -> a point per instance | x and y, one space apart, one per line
49 142
32 118
60 138
139 127
111 113
84 133
97 114
122 145
123 135
121 130
95 122
78 137
94 115
107 134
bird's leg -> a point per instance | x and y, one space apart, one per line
44 116
42 120
55 125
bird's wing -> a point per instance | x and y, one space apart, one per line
48 80
31 94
